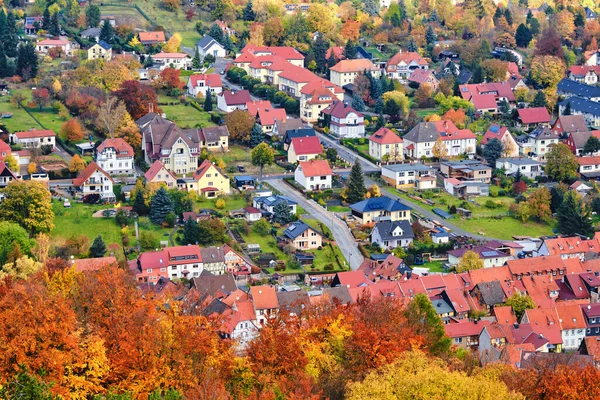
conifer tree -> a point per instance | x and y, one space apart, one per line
412 47
429 35
54 28
27 62
350 50
46 17
256 137
9 37
107 32
139 204
208 105
196 62
358 103
379 105
356 184
573 217
98 247
160 205
282 213
216 33
248 14
191 232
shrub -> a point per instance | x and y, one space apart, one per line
121 218
220 204
170 219
328 267
491 204
452 209
149 240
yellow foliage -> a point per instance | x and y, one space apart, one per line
85 377
32 168
21 269
173 45
64 282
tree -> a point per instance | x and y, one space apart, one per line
40 97
424 96
98 247
561 163
173 45
439 149
208 101
138 98
319 50
196 61
248 14
216 33
564 24
191 231
573 217
110 115
28 203
356 184
262 155
11 162
539 204
412 47
469 261
212 231
547 71
540 99
371 7
519 188
374 191
430 35
27 386
282 214
139 203
357 103
493 150
349 50
549 44
256 137
32 168
107 32
494 70
424 321
72 130
240 124
92 16
77 164
519 303
11 236
54 29
262 227
46 17
160 205
523 36
592 145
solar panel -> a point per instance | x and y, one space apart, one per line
291 228
488 253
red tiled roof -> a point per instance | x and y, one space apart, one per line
534 115
352 279
357 65
253 106
4 148
463 329
202 169
572 245
321 96
513 69
315 168
498 89
297 74
210 80
459 303
34 133
535 265
588 160
582 70
252 210
236 98
411 287
319 84
53 42
338 52
407 57
490 274
306 145
169 55
340 109
570 316
504 315
421 76
484 101
267 116
87 172
264 297
489 134
289 53
93 264
272 63
157 36
154 169
385 136
122 148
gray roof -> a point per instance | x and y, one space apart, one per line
491 293
274 200
212 255
291 123
423 132
408 167
462 163
296 228
542 133
215 133
209 284
340 293
104 45
91 32
519 161
578 89
579 138
294 301
206 42
386 229
441 306
581 105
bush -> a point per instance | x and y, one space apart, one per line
170 219
149 240
452 209
220 204
328 267
491 204
501 192
122 218
261 227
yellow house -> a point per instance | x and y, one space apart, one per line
159 174
211 181
316 96
344 72
101 50
304 149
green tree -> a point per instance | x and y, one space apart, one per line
9 36
561 163
256 137
493 150
262 155
356 184
380 123
139 203
27 62
191 231
54 29
98 247
357 103
425 321
46 19
592 145
573 216
208 101
248 14
371 7
519 303
28 203
523 36
319 50
261 227
26 386
430 35
412 46
216 33
282 214
160 205
331 154
107 32
557 194
12 235
196 61
539 100
92 16
349 50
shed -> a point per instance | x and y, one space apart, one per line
464 212
244 182
253 248
442 213
305 258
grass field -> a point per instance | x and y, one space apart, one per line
233 202
240 155
185 116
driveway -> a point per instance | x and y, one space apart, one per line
348 154
342 235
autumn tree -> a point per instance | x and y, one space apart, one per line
72 130
110 114
547 71
240 124
32 168
469 261
563 22
519 188
495 70
77 164
173 45
519 303
40 97
169 78
458 117
561 163
539 204
11 162
28 203
506 40
424 320
138 98
549 44
262 155
439 149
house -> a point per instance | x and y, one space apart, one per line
32 25
294 301
590 15
495 131
264 300
303 237
528 167
177 149
577 140
589 109
500 91
388 267
344 72
116 157
171 263
244 182
209 46
235 262
296 133
344 121
304 149
590 346
251 51
568 88
211 181
386 146
491 258
392 234
6 175
466 170
101 50
91 34
268 203
591 313
529 118
465 335
537 142
229 101
34 138
157 173
266 116
293 79
214 138
213 261
568 319
569 247
201 83
580 187
583 74
172 60
413 175
566 124
314 175
403 64
423 76
110 18
225 28
589 167
151 38
465 189
420 140
62 45
239 323
317 95
376 209
94 180
252 214
281 127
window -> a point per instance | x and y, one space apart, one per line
149 270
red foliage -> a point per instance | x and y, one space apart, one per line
137 98
40 97
190 14
170 78
519 188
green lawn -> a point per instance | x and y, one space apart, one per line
434 266
267 244
325 257
338 209
185 116
232 202
20 120
131 15
424 112
240 155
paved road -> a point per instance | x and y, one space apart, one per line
348 154
341 233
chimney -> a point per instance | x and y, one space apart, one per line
516 325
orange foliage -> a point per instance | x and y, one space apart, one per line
457 116
72 130
350 30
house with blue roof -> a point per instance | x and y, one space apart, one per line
376 209
439 235
590 14
303 236
268 203
243 182
100 50
568 88
392 234
297 133
580 106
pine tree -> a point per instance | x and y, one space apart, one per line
248 14
5 68
227 43
98 247
331 60
191 232
429 35
46 17
540 99
208 105
256 137
160 205
391 86
529 17
523 36
54 29
139 205
379 105
10 39
356 184
380 121
412 47
107 32
434 16
196 62
282 213
375 90
357 103
402 9
371 7
319 50
567 109
350 50
573 217
508 16
216 33
27 62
